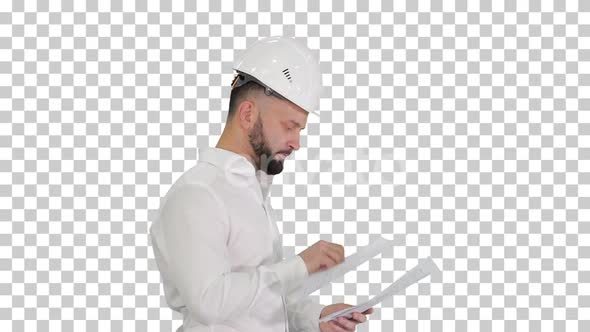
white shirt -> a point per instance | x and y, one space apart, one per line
220 253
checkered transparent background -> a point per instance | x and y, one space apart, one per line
458 129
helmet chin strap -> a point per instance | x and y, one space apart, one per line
235 83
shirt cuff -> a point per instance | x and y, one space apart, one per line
291 272
304 315
310 317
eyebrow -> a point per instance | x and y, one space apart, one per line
297 124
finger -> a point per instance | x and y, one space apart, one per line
340 249
332 326
346 323
357 316
335 326
368 311
334 254
330 258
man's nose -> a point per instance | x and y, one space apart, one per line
294 144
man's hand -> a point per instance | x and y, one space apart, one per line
342 324
322 255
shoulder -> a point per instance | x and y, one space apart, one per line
197 185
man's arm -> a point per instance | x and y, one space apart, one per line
195 232
304 314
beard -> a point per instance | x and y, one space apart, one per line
265 157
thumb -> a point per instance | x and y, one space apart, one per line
333 308
341 306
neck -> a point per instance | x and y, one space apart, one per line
233 142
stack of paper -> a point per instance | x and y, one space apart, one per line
320 279
422 270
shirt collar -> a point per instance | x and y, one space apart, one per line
237 164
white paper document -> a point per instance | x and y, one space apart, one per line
319 279
424 268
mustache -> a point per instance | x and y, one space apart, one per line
286 153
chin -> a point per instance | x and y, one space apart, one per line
276 168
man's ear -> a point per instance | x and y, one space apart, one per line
246 114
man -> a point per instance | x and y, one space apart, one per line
217 246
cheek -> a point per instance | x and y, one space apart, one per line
274 138
275 134
278 136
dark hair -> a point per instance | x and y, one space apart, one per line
238 94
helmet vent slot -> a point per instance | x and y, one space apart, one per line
287 74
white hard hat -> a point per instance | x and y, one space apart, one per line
285 66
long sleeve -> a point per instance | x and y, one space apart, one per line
195 229
303 311
304 314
